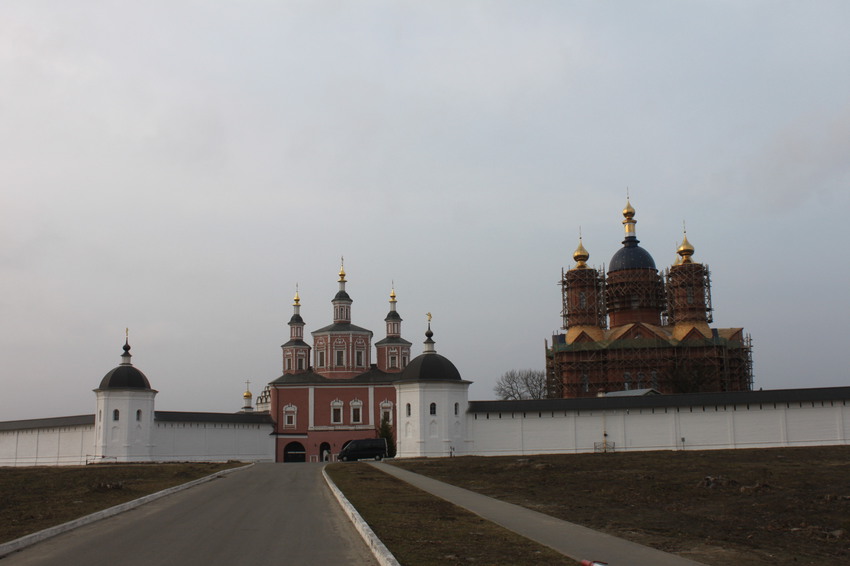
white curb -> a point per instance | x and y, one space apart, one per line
381 552
29 540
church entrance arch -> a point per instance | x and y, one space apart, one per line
294 452
325 452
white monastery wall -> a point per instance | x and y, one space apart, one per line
56 446
702 428
199 441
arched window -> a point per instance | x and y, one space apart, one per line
407 409
433 409
139 415
627 381
115 415
457 409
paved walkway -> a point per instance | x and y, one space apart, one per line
574 541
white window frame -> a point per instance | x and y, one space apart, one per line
290 410
336 409
387 409
356 405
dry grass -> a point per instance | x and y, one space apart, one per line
424 530
755 507
32 499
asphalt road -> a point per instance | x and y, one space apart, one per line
269 514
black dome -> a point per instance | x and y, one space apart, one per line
430 367
631 256
125 377
342 296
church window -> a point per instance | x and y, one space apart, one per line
585 383
433 409
640 380
457 409
404 361
340 358
321 359
289 413
393 361
387 411
690 296
582 300
654 377
139 415
300 363
288 363
627 381
359 355
336 412
115 415
407 409
357 411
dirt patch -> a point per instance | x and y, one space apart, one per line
32 499
755 507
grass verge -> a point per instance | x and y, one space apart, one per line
424 530
32 499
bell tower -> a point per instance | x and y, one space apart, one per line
296 352
393 351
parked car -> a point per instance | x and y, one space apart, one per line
364 448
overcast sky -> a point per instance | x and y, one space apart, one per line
178 167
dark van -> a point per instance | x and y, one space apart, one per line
364 448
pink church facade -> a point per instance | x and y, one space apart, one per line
331 392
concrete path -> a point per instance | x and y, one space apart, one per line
574 541
267 514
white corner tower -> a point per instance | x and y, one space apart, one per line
432 405
125 414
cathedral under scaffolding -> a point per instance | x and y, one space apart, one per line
639 330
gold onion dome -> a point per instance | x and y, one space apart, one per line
629 211
247 395
392 295
297 299
686 250
580 255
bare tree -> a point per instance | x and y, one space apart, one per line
521 384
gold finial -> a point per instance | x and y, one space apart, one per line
392 293
628 211
686 250
429 316
247 394
341 269
580 255
297 298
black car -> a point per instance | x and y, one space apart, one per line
364 448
